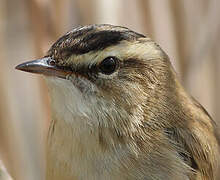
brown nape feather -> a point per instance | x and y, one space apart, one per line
185 122
215 126
172 118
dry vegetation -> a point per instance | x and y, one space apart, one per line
187 30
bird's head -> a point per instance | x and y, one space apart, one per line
104 72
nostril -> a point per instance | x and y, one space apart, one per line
52 62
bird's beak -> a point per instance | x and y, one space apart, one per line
45 66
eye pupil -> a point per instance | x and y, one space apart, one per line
108 65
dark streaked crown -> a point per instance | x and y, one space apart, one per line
84 39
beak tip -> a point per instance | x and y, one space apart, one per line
20 67
17 67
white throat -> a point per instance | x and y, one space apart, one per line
66 100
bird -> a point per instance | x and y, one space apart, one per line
120 112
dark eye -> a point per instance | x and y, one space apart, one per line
108 65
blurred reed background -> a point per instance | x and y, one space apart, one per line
189 31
